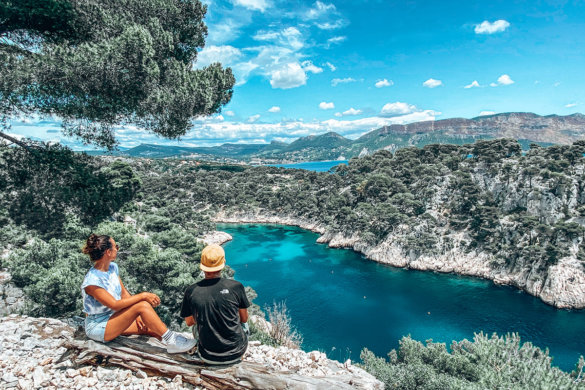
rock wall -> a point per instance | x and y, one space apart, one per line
12 298
32 356
562 285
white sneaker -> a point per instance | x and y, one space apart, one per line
180 344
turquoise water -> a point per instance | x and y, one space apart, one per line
317 166
342 302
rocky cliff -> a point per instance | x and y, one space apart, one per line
561 285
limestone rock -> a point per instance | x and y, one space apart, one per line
43 365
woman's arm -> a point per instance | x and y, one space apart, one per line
106 299
125 293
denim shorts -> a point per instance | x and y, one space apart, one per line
95 325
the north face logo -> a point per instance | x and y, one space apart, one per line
224 291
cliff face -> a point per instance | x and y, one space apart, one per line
561 285
519 125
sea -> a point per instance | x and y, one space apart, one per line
342 302
317 166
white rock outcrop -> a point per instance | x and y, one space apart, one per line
562 285
12 299
215 237
30 350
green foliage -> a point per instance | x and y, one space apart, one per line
385 195
51 273
485 363
53 20
257 334
41 186
105 63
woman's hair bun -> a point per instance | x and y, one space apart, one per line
90 244
95 246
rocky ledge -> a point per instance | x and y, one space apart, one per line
562 285
32 356
215 237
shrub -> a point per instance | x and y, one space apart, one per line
486 363
282 331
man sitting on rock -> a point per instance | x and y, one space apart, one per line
219 309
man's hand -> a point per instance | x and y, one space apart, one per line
151 298
190 321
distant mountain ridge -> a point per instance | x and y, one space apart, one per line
525 127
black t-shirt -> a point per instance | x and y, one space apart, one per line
215 304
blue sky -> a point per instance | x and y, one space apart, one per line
309 67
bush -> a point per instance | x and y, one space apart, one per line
282 331
51 274
486 363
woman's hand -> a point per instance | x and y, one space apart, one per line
140 324
151 298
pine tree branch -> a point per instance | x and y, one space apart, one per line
15 141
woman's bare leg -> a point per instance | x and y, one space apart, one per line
133 329
120 321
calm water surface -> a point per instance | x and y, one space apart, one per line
342 302
317 166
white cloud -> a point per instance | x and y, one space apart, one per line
335 82
331 66
227 55
384 83
227 30
253 118
352 111
505 80
485 113
491 28
557 84
338 114
336 40
309 67
289 76
212 131
397 108
274 109
289 37
474 84
570 105
243 70
331 25
326 106
432 83
230 113
257 5
319 9
493 85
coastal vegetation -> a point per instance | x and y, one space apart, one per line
496 362
522 209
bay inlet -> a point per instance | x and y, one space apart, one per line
342 302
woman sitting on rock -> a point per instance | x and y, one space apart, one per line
111 310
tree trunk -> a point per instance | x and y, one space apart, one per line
147 354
